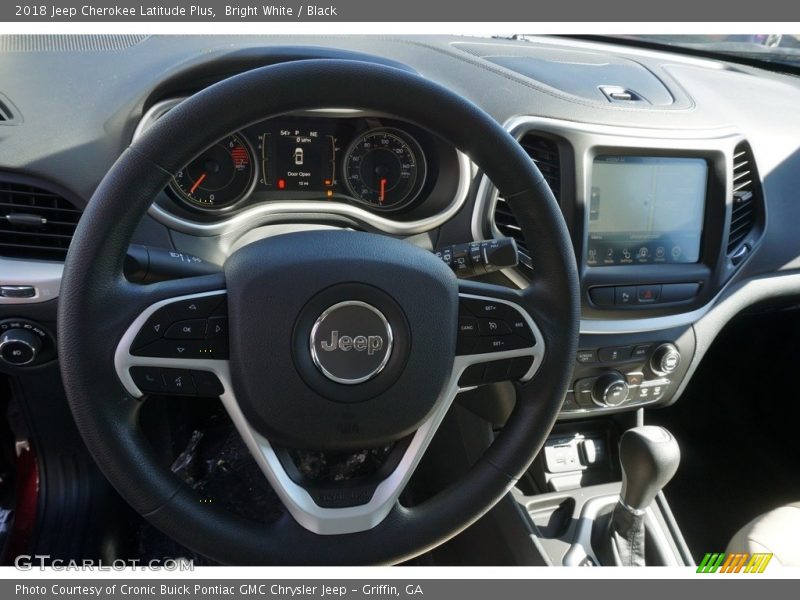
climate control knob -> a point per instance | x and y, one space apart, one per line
665 359
19 347
610 389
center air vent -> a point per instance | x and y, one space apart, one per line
35 223
746 199
544 152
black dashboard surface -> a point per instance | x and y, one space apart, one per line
78 108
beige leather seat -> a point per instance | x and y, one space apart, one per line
777 531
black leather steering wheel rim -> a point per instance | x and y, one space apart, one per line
96 303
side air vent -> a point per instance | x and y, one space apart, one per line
8 115
746 197
35 223
545 154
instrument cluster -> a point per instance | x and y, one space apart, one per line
379 164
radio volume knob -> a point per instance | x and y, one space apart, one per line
665 360
610 389
19 347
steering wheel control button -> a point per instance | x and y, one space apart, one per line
207 384
351 342
217 328
520 367
148 379
179 382
177 349
501 327
493 327
484 308
193 329
467 326
176 330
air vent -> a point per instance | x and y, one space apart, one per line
746 197
35 223
8 115
545 154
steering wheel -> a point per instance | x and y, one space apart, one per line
334 340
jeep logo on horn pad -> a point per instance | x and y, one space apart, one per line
351 342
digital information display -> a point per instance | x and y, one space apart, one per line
303 159
646 210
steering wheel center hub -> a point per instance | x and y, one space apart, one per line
351 342
322 325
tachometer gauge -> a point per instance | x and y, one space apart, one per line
219 177
384 168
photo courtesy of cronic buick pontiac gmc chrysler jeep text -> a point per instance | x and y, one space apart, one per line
375 300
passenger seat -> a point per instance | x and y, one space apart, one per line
777 532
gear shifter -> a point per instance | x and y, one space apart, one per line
649 457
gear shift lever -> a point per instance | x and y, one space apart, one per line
649 457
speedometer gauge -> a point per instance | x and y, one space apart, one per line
219 177
384 168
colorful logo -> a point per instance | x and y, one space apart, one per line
738 562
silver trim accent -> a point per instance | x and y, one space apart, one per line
43 276
584 137
581 548
315 355
267 212
323 521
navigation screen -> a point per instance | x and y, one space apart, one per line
646 210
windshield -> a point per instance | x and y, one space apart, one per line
774 48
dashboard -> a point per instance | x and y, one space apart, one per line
680 197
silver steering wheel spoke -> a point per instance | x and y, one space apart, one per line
497 338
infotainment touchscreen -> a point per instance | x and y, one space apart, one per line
646 210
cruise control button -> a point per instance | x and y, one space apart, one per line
467 326
148 379
484 308
493 327
519 325
193 329
500 344
179 381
